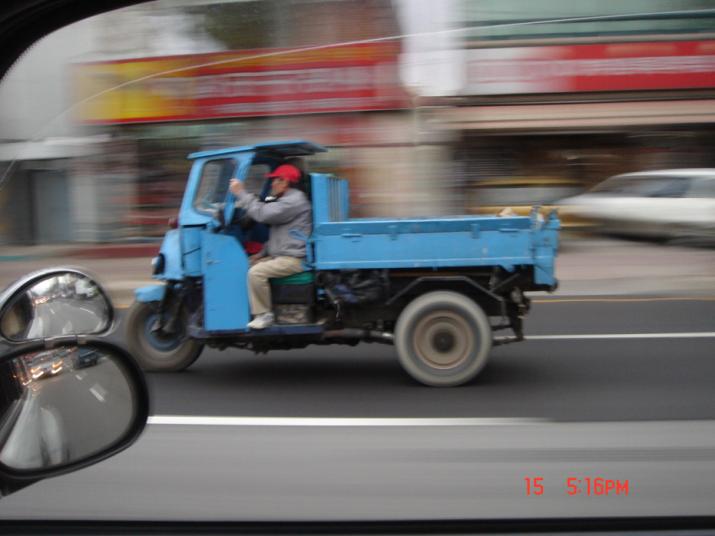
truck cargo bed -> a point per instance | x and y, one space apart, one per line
342 243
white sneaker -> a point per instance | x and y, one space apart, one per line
261 321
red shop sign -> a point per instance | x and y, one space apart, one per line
598 67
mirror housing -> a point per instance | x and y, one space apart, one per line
53 325
24 413
54 302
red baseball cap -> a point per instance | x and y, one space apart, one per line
286 172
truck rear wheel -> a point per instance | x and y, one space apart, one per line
153 351
443 339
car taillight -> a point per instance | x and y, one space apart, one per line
173 223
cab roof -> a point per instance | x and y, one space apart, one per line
284 149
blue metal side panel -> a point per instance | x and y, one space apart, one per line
544 266
546 239
434 243
171 250
151 293
433 250
225 268
470 224
191 249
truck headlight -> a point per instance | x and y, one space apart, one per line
157 264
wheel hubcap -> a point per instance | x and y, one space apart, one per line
443 339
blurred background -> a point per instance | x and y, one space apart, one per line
428 107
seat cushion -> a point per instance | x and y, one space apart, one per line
301 278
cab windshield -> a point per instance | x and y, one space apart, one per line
213 184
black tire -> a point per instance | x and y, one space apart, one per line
443 339
154 353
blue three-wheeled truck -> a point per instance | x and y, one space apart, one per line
436 288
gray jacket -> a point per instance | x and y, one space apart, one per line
290 218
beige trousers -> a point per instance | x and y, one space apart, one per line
261 271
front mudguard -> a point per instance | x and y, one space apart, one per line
167 301
150 293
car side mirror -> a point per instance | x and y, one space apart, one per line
66 407
68 397
53 303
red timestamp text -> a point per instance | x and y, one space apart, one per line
587 486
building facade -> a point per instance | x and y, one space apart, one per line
558 95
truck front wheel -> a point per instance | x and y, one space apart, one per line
443 339
156 351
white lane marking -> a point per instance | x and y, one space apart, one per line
186 420
693 335
622 299
99 392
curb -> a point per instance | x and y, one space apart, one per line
95 251
144 250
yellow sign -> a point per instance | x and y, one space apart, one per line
235 84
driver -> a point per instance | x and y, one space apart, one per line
289 216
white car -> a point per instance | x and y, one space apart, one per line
671 204
85 289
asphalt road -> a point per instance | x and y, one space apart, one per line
260 473
94 404
635 405
572 379
61 315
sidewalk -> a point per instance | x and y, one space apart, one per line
585 267
597 266
80 251
120 268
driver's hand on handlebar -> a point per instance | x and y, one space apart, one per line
235 186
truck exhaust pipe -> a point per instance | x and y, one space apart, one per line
366 335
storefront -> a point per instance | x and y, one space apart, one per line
42 198
348 98
539 123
